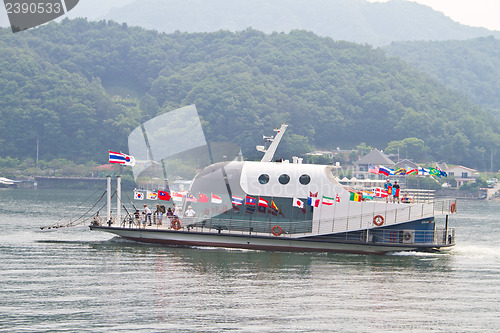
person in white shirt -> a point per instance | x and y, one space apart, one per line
190 212
147 211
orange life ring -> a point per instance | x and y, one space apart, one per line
378 220
276 230
453 207
176 224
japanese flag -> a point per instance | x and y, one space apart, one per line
298 203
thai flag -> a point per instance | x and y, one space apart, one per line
121 158
385 171
237 201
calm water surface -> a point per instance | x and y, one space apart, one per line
75 280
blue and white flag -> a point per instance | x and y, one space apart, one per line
121 158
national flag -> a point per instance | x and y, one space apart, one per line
373 169
250 209
138 195
443 173
236 209
216 199
380 193
328 201
354 196
434 172
313 201
337 198
250 201
389 190
121 158
191 198
313 195
274 208
262 209
297 203
411 171
176 196
150 195
385 171
164 195
395 192
203 198
400 171
263 203
423 172
237 200
367 195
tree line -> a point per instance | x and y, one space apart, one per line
78 88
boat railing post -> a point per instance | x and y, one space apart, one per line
108 197
118 199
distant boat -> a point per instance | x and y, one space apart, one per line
265 205
5 182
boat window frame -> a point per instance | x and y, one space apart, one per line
285 176
265 179
308 179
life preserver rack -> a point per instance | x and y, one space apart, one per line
378 220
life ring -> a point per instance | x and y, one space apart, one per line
378 220
276 230
453 207
176 224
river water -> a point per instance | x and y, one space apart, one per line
75 280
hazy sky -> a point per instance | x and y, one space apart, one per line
476 13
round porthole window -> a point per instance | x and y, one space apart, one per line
263 179
284 179
304 179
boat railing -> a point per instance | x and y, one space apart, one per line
337 225
383 218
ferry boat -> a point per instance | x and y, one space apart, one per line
289 206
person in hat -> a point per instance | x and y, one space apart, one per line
388 189
190 212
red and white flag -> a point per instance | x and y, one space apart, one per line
216 199
298 203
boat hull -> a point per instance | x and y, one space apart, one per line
190 238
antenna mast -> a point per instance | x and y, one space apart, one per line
269 151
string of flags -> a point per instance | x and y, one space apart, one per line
383 170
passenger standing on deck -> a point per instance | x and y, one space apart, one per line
137 216
143 220
147 211
395 191
170 215
156 214
388 189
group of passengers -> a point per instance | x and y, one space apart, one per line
160 214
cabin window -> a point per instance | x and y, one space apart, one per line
304 179
263 179
284 179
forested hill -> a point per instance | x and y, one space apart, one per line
470 66
59 84
360 21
